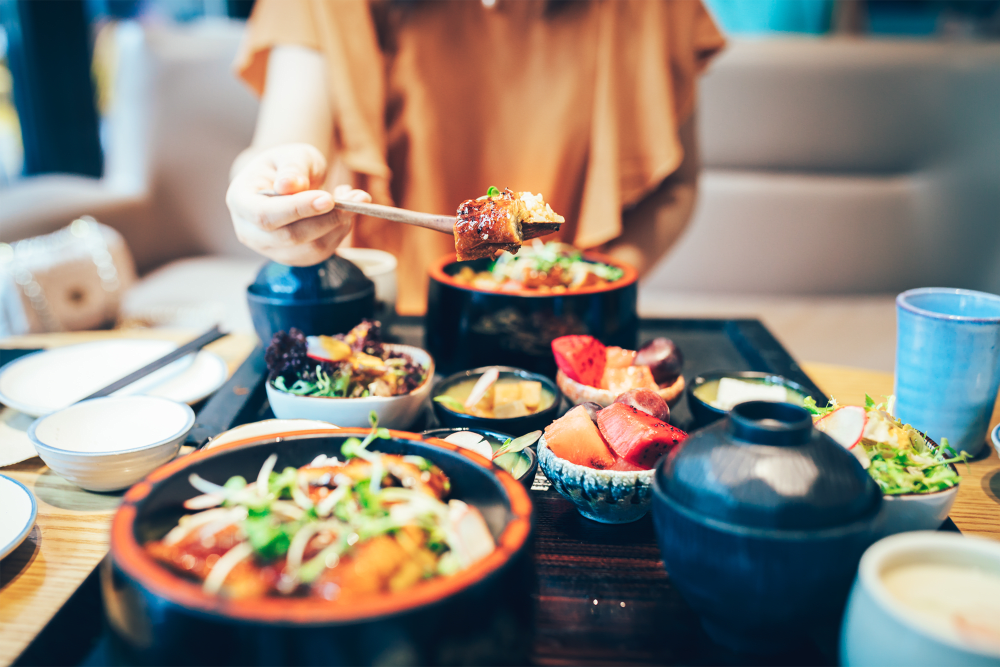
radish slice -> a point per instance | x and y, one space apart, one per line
471 441
846 425
483 384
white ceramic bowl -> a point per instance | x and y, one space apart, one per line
915 511
107 444
879 630
397 412
379 267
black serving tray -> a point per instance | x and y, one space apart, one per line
602 594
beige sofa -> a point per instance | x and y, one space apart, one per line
836 174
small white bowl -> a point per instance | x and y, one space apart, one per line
379 267
914 511
878 629
110 443
397 412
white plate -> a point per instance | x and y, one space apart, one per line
18 515
50 380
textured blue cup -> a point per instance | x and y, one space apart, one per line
948 363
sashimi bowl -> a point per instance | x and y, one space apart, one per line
264 608
606 496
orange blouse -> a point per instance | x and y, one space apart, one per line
436 101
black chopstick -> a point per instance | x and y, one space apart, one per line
201 341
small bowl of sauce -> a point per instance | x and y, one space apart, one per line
712 395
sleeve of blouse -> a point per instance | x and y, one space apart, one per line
649 56
273 22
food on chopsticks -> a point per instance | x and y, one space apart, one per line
591 371
501 220
545 268
492 397
727 392
898 457
351 365
626 436
340 529
506 455
960 600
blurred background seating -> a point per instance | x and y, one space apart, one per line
837 172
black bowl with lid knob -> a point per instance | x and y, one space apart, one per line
761 521
326 299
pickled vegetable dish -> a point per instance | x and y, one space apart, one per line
543 267
505 398
351 365
342 528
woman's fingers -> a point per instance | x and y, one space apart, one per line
271 213
297 167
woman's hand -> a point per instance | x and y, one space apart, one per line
301 227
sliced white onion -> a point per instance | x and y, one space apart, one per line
264 474
191 522
482 385
217 576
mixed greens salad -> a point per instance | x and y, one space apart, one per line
351 365
897 456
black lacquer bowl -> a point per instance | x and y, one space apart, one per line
326 299
480 615
469 327
761 521
517 426
705 413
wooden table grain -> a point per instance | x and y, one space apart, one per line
71 536
71 532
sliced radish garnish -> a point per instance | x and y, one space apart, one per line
327 348
845 425
482 385
471 441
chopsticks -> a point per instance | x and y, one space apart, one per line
201 341
439 223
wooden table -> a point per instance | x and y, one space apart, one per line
71 533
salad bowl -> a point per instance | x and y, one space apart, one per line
393 411
905 512
479 614
472 327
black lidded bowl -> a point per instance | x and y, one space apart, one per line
326 299
761 521
526 479
469 327
517 426
480 615
705 414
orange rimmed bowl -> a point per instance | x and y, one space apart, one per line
160 617
468 327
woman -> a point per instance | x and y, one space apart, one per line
426 104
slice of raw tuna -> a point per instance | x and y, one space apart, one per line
575 438
637 437
621 465
581 358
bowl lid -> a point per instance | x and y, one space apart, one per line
336 279
765 466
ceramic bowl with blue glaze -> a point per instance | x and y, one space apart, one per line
607 496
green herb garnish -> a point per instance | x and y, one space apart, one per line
493 191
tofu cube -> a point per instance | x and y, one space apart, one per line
506 392
531 394
512 409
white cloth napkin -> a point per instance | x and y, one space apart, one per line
15 446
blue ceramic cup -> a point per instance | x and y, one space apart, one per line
948 363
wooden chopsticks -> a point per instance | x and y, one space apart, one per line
201 341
